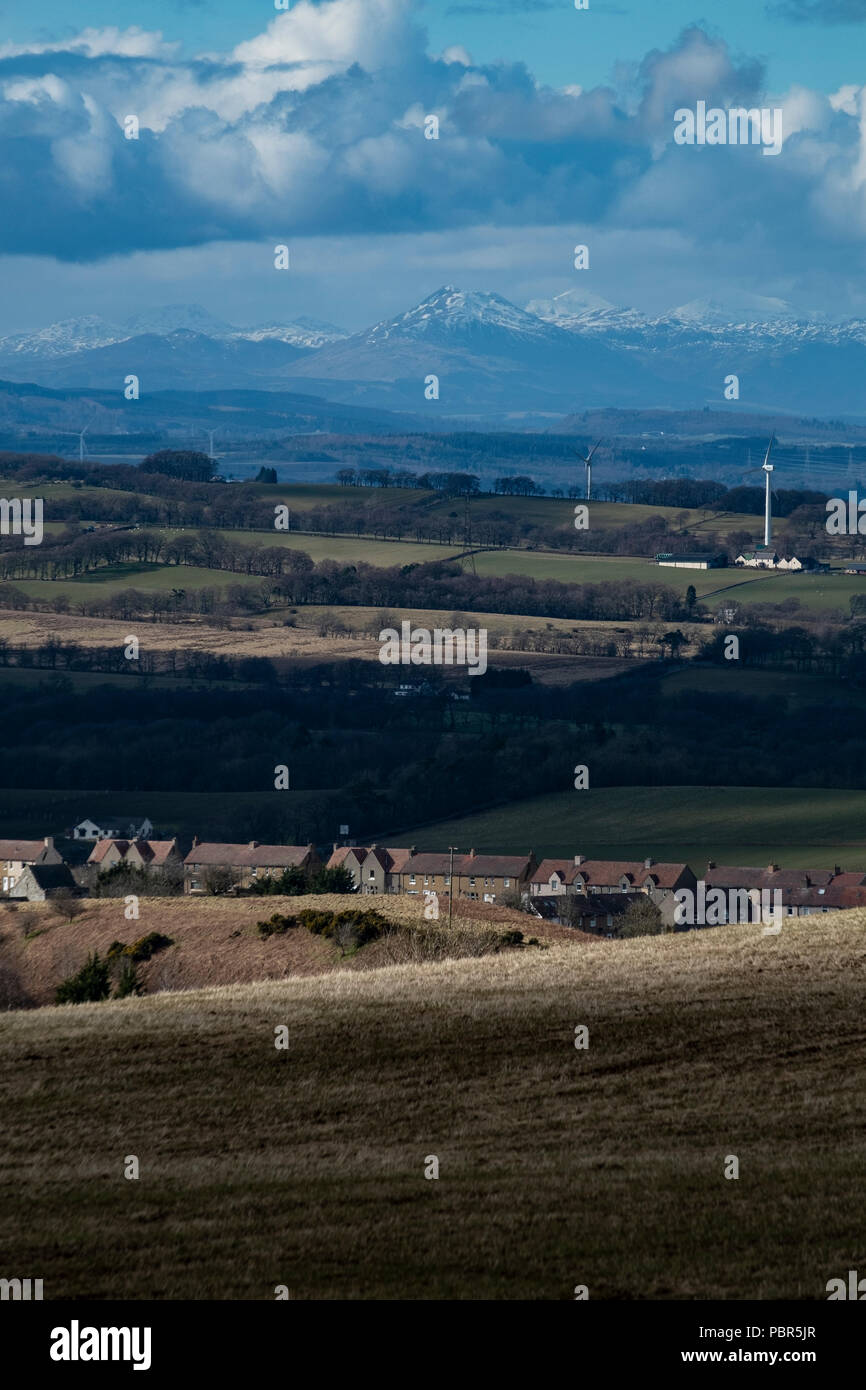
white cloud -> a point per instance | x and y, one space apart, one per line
98 43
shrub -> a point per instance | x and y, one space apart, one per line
90 985
320 923
276 925
511 938
642 919
364 926
66 905
147 946
128 982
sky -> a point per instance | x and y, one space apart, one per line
305 127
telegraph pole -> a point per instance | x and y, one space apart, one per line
451 883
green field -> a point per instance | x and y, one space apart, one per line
793 827
114 579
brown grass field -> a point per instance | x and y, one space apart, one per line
217 942
558 1166
263 636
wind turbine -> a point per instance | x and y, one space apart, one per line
81 434
588 462
210 434
767 468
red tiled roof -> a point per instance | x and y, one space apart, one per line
496 865
101 848
25 850
397 859
160 850
342 852
249 856
565 868
732 876
608 872
430 864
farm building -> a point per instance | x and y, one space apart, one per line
692 562
761 558
115 826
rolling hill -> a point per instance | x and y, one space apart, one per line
557 1166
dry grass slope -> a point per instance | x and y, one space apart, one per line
558 1166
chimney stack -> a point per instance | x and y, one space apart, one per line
579 859
49 842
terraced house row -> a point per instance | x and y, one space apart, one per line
567 889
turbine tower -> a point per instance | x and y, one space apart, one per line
588 462
768 513
81 444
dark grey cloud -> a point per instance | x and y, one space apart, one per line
305 133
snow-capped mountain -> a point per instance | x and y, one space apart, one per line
58 339
746 322
302 332
452 316
575 350
171 317
69 336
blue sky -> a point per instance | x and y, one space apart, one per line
557 44
260 126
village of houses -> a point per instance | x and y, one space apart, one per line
579 892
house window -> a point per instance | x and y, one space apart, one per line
426 878
446 879
472 883
372 873
194 883
507 882
254 873
411 878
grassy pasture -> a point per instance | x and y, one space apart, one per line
793 827
558 1166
